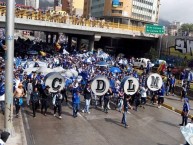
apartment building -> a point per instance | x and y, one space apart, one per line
137 12
34 3
73 7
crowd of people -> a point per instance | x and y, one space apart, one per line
88 66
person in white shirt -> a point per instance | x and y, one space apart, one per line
29 91
17 81
143 92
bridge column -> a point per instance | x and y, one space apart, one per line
69 42
52 38
57 37
91 43
78 45
47 37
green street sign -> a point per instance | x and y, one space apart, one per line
154 29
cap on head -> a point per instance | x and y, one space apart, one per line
47 87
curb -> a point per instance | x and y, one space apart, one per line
23 134
175 110
172 108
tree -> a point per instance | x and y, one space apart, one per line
187 27
152 54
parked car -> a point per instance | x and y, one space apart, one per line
142 63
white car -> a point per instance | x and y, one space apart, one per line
142 63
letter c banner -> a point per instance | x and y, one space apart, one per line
55 81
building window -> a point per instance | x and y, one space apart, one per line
117 11
120 4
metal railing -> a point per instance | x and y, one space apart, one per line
63 17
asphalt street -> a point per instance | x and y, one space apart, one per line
149 126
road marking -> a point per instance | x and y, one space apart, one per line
81 116
28 127
26 120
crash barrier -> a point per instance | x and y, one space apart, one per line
63 17
100 84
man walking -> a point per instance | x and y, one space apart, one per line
35 97
87 97
124 111
2 96
161 94
185 112
57 102
18 94
76 103
106 100
172 84
44 102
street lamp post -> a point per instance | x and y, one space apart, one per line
10 14
160 46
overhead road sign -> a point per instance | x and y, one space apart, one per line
154 29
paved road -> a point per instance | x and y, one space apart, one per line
149 126
176 102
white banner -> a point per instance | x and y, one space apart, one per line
187 132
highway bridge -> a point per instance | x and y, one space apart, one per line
60 21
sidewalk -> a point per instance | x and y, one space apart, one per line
18 137
174 103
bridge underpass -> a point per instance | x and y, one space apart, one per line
130 47
127 40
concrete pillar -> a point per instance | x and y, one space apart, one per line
91 43
129 22
57 37
78 45
69 42
47 39
52 38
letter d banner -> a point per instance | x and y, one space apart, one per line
100 85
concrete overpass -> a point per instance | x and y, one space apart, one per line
46 26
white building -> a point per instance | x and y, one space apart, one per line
33 3
147 10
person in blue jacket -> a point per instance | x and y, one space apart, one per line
76 103
172 84
2 96
161 94
185 112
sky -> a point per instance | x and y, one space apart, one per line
177 10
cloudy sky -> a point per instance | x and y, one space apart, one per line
179 10
171 10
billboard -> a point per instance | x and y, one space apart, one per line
115 3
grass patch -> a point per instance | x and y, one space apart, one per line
179 54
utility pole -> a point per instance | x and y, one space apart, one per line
10 14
